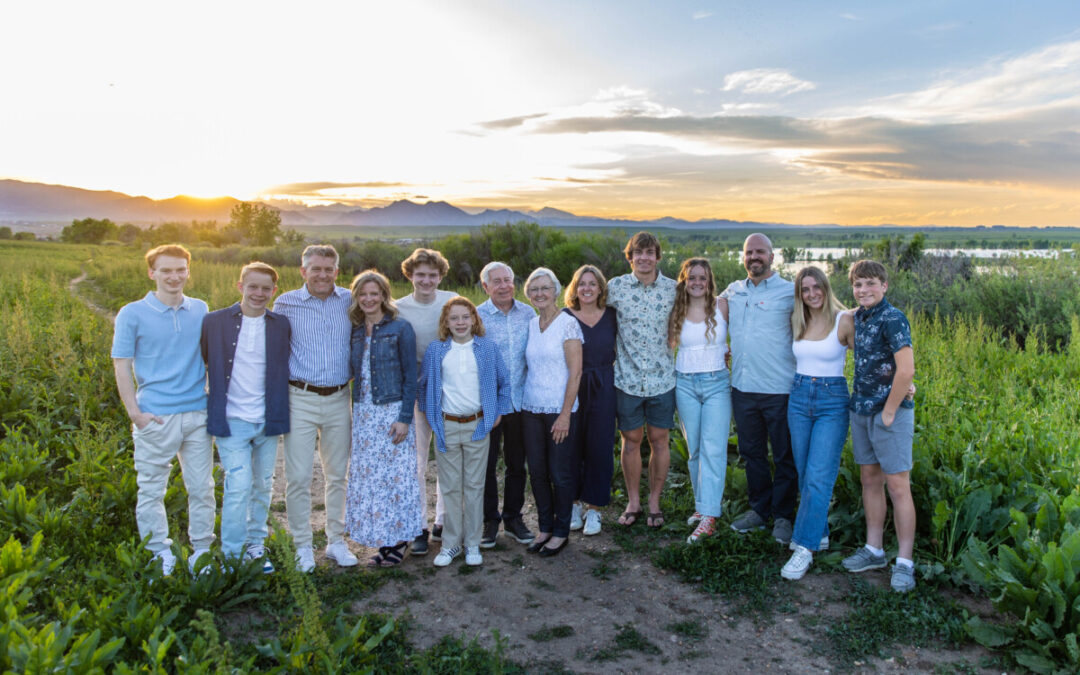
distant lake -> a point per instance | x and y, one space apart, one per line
819 256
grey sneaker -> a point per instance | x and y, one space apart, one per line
781 531
517 530
863 560
748 521
903 578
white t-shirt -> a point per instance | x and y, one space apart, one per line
424 319
247 385
545 381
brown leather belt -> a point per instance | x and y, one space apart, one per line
462 419
321 391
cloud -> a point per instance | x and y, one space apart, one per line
848 16
316 187
510 122
702 14
766 81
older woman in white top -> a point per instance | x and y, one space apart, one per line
549 403
697 327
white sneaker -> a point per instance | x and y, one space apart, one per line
592 523
168 562
257 552
305 559
472 556
339 552
797 565
694 519
823 545
194 559
447 555
575 518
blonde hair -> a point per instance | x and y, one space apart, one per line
444 317
356 315
800 314
174 250
570 298
682 301
259 267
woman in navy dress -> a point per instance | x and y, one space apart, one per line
585 300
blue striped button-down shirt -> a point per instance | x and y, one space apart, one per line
759 323
319 347
510 332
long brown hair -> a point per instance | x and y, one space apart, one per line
682 302
388 307
800 314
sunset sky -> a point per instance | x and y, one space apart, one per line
914 112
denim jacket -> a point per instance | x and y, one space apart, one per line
494 387
393 364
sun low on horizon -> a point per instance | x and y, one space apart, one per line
804 113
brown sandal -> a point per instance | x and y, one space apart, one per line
633 516
654 517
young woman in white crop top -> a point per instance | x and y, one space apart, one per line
697 327
817 410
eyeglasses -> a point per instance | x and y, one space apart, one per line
533 290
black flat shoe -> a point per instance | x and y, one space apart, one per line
546 552
536 546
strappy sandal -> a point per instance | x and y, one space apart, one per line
388 556
629 517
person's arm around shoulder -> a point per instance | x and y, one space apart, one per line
407 359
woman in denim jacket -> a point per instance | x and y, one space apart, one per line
382 505
464 392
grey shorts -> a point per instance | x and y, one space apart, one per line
874 443
634 412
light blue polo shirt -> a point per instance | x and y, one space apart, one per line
164 341
759 323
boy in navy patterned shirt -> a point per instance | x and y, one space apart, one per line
882 422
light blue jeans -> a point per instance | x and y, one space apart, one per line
704 404
818 421
247 457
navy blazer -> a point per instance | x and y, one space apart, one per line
220 331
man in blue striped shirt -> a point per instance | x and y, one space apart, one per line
319 403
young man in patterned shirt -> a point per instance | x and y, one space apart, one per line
644 372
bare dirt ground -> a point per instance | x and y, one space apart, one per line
563 614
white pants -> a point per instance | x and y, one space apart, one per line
327 421
183 436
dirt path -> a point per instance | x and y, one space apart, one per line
73 288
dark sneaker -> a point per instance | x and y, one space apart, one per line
436 532
419 545
781 531
491 530
517 531
747 522
863 560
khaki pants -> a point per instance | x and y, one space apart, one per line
461 477
183 436
326 420
423 443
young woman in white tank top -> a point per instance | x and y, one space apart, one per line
697 327
817 410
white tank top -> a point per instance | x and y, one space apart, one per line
821 358
697 354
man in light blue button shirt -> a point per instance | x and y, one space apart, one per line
762 368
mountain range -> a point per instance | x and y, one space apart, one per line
24 202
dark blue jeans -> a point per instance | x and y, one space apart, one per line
507 434
553 470
761 420
818 420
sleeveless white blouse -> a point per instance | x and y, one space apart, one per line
699 354
821 358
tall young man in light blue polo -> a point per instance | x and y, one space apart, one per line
320 405
162 382
762 368
245 348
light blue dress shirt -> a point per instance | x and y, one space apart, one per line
321 330
510 332
759 323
